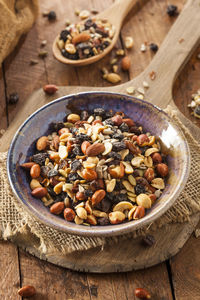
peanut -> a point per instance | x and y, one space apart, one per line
142 138
157 158
80 196
125 63
57 208
84 146
73 118
98 196
27 291
162 169
34 184
118 171
42 143
149 174
116 217
81 213
50 89
89 174
142 293
143 200
129 122
91 220
39 192
35 171
69 214
55 142
153 198
139 213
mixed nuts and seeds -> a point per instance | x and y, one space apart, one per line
195 104
85 39
97 168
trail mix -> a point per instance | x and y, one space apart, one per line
195 104
85 39
97 168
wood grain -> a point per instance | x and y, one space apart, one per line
3 113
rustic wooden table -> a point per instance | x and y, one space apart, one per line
177 278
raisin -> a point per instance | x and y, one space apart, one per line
56 126
52 173
118 146
110 196
73 176
109 114
124 127
51 15
135 129
105 205
153 47
81 137
103 221
143 149
109 122
44 171
118 136
106 44
172 10
76 150
40 158
114 155
128 157
119 186
101 32
114 162
88 23
66 54
99 112
64 34
84 115
139 189
74 130
76 165
148 240
63 164
94 185
197 110
88 193
13 98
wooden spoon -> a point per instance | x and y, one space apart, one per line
115 14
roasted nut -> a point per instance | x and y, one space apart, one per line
73 118
139 213
78 220
116 217
89 174
99 214
81 37
84 146
117 119
143 200
62 152
88 165
70 48
81 213
152 140
34 184
39 192
128 167
150 151
80 196
129 122
108 148
142 139
95 149
137 161
131 212
63 130
69 214
149 174
133 149
110 185
122 206
35 171
128 186
125 63
112 77
88 208
124 153
27 165
50 89
100 183
57 208
118 171
142 293
148 161
58 187
27 291
98 196
93 159
158 183
56 141
153 198
128 42
157 158
162 169
91 220
67 202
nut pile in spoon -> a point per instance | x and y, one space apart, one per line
85 39
97 168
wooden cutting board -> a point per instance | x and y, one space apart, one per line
173 54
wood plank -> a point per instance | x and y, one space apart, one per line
52 282
185 271
9 275
3 118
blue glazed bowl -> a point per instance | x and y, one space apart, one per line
152 119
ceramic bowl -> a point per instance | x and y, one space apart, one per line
152 119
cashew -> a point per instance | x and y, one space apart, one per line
131 212
128 168
62 151
150 151
116 217
128 186
148 161
152 140
132 180
143 200
67 186
108 148
123 205
98 213
82 204
58 187
137 161
124 153
110 185
158 183
131 198
88 208
81 213
93 160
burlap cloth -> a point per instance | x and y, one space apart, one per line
16 18
14 221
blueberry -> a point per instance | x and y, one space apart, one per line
172 10
124 127
139 189
153 47
13 98
76 165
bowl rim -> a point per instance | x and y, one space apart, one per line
110 230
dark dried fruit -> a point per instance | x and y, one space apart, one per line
153 47
99 112
124 127
139 189
76 165
118 146
44 171
13 98
128 157
64 34
56 126
118 136
84 115
172 10
114 155
120 197
77 150
109 122
40 158
135 129
197 110
105 205
88 23
103 221
52 173
148 240
73 176
51 15
88 193
81 137
109 114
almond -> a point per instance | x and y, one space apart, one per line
57 208
117 119
98 196
84 146
89 174
81 37
27 291
42 143
69 214
50 89
27 165
39 192
95 149
35 171
126 63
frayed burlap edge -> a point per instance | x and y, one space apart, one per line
15 222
